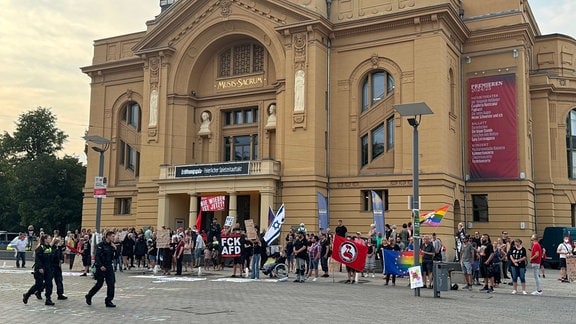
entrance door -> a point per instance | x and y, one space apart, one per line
243 209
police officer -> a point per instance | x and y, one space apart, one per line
105 251
57 260
42 270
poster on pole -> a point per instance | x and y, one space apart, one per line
163 238
415 277
100 187
250 230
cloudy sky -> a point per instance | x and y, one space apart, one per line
43 44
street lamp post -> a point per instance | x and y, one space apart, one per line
415 112
104 145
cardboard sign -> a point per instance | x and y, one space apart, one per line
163 238
122 235
229 221
250 230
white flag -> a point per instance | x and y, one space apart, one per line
274 230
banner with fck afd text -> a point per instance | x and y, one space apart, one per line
230 246
349 253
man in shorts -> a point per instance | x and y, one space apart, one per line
466 260
427 261
563 250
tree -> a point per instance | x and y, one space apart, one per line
49 192
36 134
36 186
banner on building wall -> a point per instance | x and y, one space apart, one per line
493 135
322 211
212 170
378 212
212 203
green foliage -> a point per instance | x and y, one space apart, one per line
36 186
35 135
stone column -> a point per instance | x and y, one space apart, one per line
193 209
163 210
233 206
266 201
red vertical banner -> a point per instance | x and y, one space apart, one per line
493 130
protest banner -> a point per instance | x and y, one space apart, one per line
163 238
230 246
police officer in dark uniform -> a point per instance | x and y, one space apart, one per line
57 260
105 252
42 270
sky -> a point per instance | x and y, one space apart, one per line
44 43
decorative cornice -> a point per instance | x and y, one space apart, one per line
225 7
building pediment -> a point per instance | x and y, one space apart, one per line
183 17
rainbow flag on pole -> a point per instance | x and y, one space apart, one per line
433 218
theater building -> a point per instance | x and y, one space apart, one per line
270 102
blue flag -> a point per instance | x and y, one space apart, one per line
270 216
378 212
322 211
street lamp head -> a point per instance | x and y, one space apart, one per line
97 139
413 122
413 109
99 149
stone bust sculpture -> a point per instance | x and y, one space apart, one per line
205 126
271 121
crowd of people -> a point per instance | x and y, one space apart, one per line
500 260
304 254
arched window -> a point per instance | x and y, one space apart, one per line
376 86
571 143
131 115
241 59
128 152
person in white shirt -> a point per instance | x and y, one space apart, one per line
563 250
20 247
198 250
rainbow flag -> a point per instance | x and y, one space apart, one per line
433 218
398 262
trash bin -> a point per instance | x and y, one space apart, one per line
441 275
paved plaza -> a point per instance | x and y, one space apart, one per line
215 297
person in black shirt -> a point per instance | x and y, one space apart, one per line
326 253
301 256
486 256
42 271
391 245
57 260
105 251
517 256
86 257
341 230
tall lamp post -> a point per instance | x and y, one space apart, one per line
103 146
415 111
